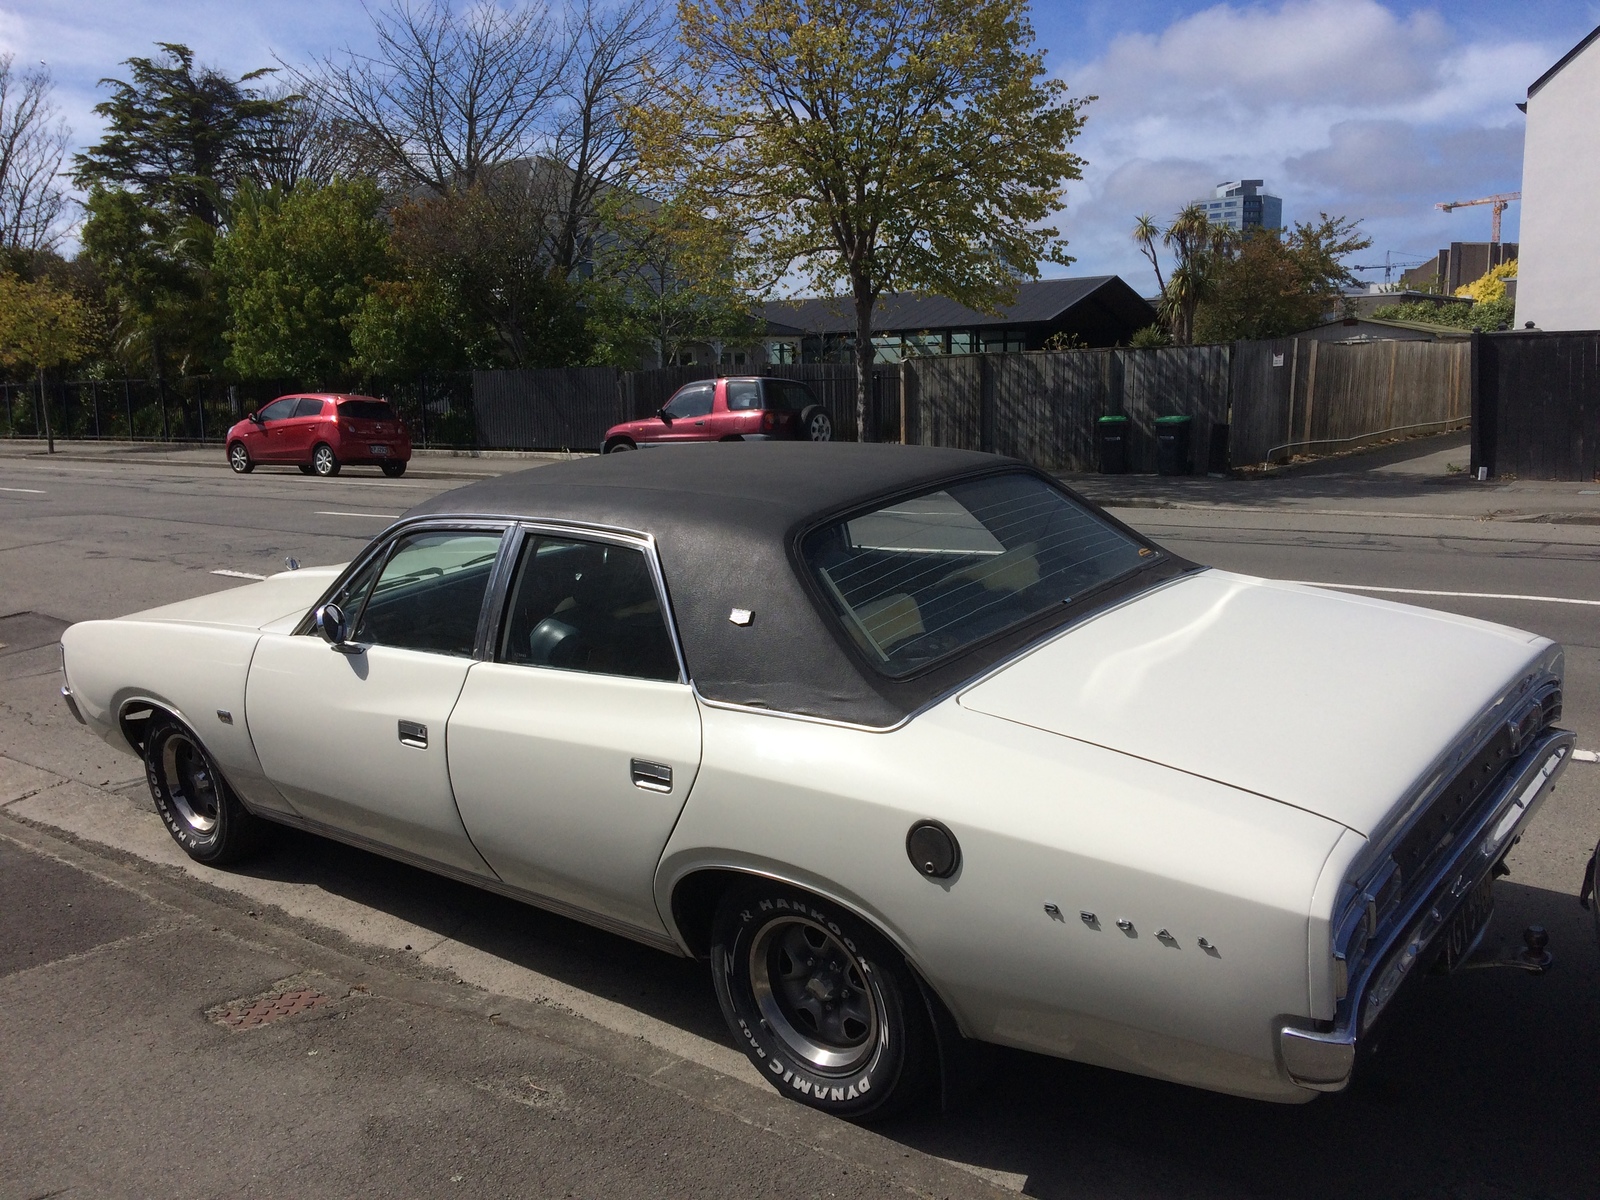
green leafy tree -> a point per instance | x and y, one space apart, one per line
662 281
1267 285
296 268
43 327
405 326
158 293
881 145
180 137
486 248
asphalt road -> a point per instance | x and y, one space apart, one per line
605 1069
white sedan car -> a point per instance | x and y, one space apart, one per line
910 744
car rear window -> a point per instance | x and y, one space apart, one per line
366 410
922 578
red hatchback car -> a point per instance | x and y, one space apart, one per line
320 433
740 409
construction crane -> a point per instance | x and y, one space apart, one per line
1500 202
1392 262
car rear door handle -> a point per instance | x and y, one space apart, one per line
414 735
651 776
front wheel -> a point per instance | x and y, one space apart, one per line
239 459
620 444
195 803
816 425
393 469
823 1006
324 461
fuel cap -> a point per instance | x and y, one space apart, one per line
933 850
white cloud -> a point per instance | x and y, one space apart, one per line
1343 106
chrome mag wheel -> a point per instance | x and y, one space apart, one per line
815 996
239 459
324 461
190 784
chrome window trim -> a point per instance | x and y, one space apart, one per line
630 538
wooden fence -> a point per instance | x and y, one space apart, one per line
1292 396
1536 405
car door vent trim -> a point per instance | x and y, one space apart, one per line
413 734
650 776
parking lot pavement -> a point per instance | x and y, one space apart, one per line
1483 1090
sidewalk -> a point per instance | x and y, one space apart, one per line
425 464
1418 478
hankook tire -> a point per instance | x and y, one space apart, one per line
824 1007
195 803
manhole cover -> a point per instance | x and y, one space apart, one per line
263 1010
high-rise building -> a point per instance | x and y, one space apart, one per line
1242 204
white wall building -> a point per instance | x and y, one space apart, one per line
1558 271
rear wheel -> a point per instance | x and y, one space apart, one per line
324 461
824 1007
239 459
194 801
393 469
816 425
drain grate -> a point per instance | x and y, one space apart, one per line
263 1010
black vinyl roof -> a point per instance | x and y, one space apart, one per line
725 518
1038 302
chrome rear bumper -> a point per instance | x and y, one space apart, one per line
1323 1059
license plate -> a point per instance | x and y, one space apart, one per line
378 451
1460 937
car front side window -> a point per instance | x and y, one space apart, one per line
429 593
693 401
279 410
587 606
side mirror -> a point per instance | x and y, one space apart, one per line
664 415
255 419
334 628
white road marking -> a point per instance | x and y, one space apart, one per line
376 516
1362 587
1585 756
30 491
239 574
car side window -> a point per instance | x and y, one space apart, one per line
279 410
743 394
587 606
429 593
692 401
308 407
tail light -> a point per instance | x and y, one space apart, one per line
769 420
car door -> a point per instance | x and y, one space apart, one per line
688 410
272 439
300 431
572 752
738 410
353 736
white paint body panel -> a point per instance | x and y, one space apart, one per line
1040 820
1332 702
326 727
540 764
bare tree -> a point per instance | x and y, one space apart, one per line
301 140
614 56
447 94
33 142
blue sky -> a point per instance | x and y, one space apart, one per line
1365 108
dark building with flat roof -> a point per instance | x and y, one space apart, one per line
1458 264
1098 310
